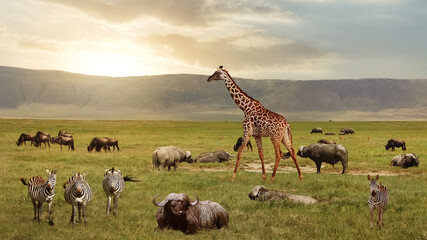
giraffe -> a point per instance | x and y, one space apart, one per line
258 122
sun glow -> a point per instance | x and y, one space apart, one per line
108 64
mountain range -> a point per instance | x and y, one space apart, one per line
26 93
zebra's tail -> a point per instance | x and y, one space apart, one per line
23 181
130 179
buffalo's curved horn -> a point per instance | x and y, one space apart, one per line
154 201
195 202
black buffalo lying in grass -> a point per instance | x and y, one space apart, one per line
405 160
177 212
329 153
392 143
218 156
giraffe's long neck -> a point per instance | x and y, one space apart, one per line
242 100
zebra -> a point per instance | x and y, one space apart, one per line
78 193
113 185
41 191
377 200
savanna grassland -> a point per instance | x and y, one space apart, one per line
342 211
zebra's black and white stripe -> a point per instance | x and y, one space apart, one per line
113 185
378 200
41 191
78 193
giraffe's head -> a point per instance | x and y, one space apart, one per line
219 75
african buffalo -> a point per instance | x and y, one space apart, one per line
218 156
170 156
405 160
329 153
23 138
177 212
316 130
239 143
260 193
392 143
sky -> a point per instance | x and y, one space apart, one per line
271 39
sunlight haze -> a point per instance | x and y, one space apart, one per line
289 39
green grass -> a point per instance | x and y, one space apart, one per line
342 211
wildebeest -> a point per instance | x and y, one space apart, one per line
177 212
239 143
170 156
316 130
260 193
23 138
211 157
65 134
98 143
41 137
329 153
344 131
112 143
392 143
405 160
324 141
61 140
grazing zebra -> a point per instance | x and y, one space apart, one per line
377 200
113 186
78 194
42 191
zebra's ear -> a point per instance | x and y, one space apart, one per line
75 174
84 175
377 177
48 172
106 170
369 177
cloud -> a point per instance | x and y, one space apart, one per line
179 13
239 51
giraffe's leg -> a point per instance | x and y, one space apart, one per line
261 154
278 152
288 144
239 156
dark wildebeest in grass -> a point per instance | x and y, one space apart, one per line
177 212
23 138
344 131
329 153
65 134
324 141
392 143
316 130
98 143
212 157
239 143
41 137
113 143
61 140
260 193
